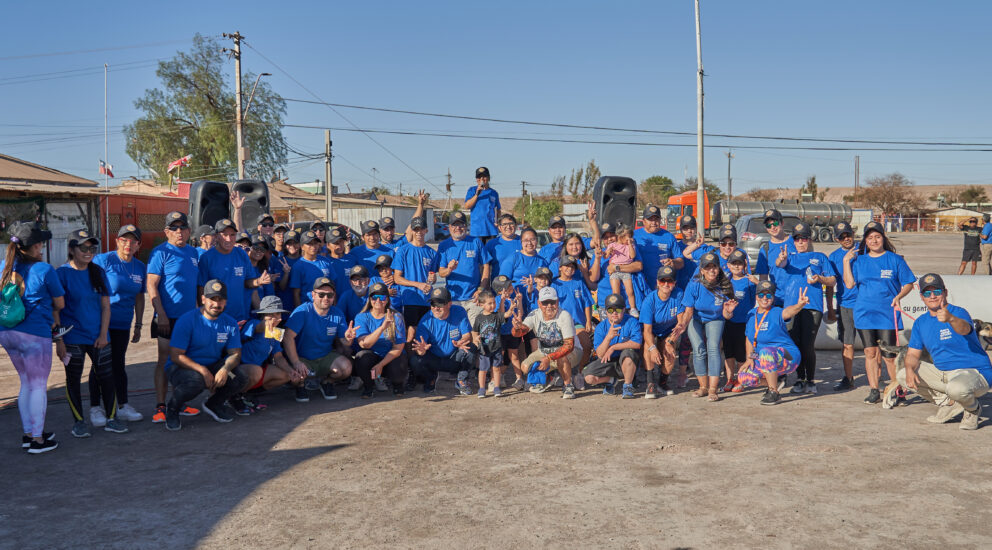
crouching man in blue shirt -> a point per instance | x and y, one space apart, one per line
447 335
205 354
961 370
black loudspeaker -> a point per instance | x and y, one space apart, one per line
616 200
209 201
256 195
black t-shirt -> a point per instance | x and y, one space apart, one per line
488 328
972 237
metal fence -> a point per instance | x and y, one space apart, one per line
926 223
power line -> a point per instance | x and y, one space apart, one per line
635 130
94 50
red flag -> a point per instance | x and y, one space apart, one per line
179 163
107 169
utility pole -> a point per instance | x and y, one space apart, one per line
106 156
857 172
328 183
700 203
730 188
238 114
448 189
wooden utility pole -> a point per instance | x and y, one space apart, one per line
857 172
328 182
730 188
700 203
238 113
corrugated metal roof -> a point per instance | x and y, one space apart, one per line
17 170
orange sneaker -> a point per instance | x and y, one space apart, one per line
159 415
189 411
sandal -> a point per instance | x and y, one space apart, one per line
713 397
699 393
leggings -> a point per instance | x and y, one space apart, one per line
706 339
770 360
100 368
32 358
119 339
804 328
394 371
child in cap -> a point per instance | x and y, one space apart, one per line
262 359
486 335
384 270
734 341
511 302
621 252
533 285
575 298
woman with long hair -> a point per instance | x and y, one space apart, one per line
381 336
709 302
575 246
882 278
127 276
87 310
28 340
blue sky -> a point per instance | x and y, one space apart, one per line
903 70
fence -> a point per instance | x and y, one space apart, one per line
927 223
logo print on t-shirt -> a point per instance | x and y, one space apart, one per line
455 334
221 337
469 253
885 274
332 330
239 271
550 335
426 261
945 334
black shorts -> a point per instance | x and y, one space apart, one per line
413 314
845 326
509 341
154 327
971 255
871 336
734 341
599 368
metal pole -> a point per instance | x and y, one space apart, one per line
857 172
328 188
239 131
730 192
106 157
700 202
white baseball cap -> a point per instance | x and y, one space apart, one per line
547 293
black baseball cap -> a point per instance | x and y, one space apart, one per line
418 223
737 256
321 282
129 229
458 217
556 220
265 216
569 260
666 272
358 271
931 280
27 234
651 211
262 240
765 287
387 223
243 236
384 260
173 217
481 172
223 224
203 231
687 221
81 236
369 226
308 237
291 235
379 289
543 272
728 233
336 235
802 231
440 295
500 283
614 300
280 225
315 223
874 226
708 259
772 214
214 289
841 228
607 227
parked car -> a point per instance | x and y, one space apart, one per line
752 234
441 231
354 238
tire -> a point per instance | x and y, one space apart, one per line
826 235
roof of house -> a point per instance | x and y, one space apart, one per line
21 171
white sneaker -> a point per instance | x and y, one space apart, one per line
97 417
634 312
380 384
356 384
811 387
127 412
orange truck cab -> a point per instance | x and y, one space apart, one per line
685 203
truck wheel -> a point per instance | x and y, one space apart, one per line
826 235
816 236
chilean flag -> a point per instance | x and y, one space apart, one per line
179 163
107 169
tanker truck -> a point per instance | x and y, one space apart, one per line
821 216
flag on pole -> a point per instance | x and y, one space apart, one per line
107 169
179 163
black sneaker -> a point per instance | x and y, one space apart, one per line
36 448
368 393
302 395
873 396
241 407
398 390
173 422
771 398
327 390
845 384
26 439
410 385
220 413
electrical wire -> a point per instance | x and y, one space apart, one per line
95 50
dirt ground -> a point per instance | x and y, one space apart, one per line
522 471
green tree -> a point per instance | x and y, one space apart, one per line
712 190
655 190
538 211
558 186
974 193
592 174
193 111
574 181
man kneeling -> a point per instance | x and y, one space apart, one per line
443 342
961 370
553 343
313 332
205 354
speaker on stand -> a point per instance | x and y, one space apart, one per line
616 200
256 195
209 201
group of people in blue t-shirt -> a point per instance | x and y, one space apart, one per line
256 311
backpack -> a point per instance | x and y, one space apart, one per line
11 306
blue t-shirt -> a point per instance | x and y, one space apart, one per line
604 289
744 293
771 331
950 350
766 264
232 269
846 297
662 315
365 256
440 333
707 306
415 262
366 324
573 297
305 272
397 242
395 302
499 249
350 303
483 215
794 278
82 304
286 295
467 275
630 331
879 280
255 347
519 265
690 266
178 267
653 248
550 251
41 284
315 333
127 280
205 341
201 251
987 233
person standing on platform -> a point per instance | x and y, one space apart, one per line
483 203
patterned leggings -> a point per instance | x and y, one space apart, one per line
32 358
770 360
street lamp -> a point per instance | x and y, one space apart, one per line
252 94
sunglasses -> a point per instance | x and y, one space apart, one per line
87 249
666 282
177 227
801 238
267 224
768 295
614 310
323 294
436 305
380 297
932 293
727 244
549 303
772 224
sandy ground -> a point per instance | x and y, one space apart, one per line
522 471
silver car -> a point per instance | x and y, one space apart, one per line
752 234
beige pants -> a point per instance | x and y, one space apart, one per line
963 386
987 257
573 357
472 309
